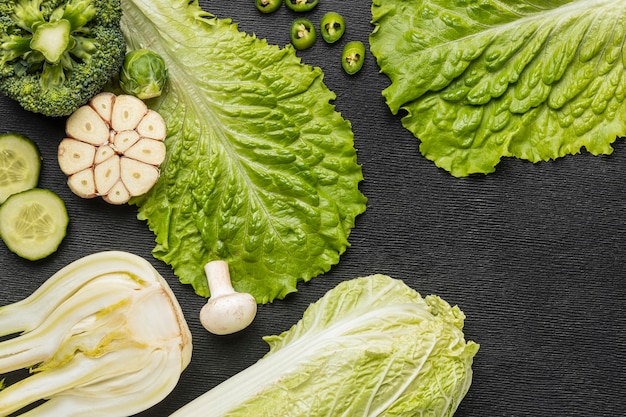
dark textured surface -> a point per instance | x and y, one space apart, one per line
533 254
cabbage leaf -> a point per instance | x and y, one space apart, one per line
261 170
371 346
482 80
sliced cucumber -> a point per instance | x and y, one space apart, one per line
33 223
20 164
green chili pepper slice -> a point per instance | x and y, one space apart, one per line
332 27
303 34
268 6
301 5
353 57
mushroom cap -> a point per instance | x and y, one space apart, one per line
228 313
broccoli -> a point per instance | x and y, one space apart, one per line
57 54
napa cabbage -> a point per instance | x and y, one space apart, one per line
481 80
371 346
261 170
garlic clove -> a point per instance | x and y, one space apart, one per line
149 151
82 183
74 155
102 103
107 174
118 194
152 126
138 177
103 153
125 139
127 112
86 125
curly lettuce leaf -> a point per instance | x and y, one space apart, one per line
261 171
371 346
479 81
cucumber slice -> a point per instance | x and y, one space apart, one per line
33 223
20 164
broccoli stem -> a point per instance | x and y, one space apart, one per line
28 14
13 47
77 12
52 76
53 39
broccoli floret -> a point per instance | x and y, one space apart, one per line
57 54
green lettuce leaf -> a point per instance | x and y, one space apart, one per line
261 171
371 346
479 81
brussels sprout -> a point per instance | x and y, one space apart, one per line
143 74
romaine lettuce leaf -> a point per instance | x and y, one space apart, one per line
479 81
261 171
372 346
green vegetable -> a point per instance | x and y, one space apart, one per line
104 336
303 34
143 74
301 5
531 80
33 223
268 6
20 164
370 347
55 55
260 172
353 57
332 27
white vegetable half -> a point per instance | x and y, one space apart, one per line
105 336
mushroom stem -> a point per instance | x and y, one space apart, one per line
226 311
218 278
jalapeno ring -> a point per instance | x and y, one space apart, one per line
353 57
332 27
303 33
268 6
301 5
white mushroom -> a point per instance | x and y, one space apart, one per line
114 145
226 311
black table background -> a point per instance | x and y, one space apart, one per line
533 254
